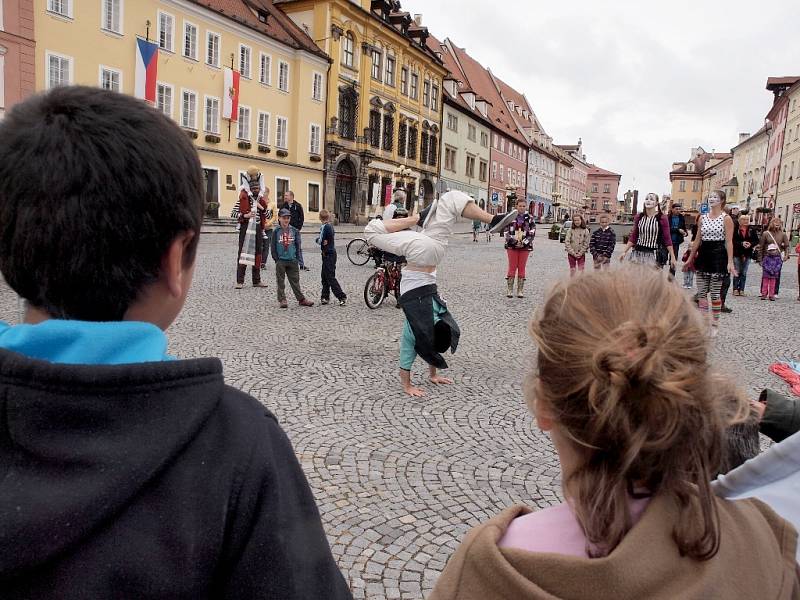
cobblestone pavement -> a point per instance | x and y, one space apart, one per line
400 480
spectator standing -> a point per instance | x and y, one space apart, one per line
127 472
270 218
602 243
639 433
745 240
327 243
774 234
576 243
650 239
252 211
519 237
677 230
297 221
286 248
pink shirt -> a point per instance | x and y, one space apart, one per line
555 530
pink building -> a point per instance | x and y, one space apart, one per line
776 128
17 58
603 189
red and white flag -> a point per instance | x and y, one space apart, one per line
230 102
146 70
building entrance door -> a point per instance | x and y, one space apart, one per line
345 180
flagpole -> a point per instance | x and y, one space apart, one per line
229 120
147 31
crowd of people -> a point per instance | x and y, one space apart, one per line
129 473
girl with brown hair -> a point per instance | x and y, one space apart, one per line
576 243
624 387
773 235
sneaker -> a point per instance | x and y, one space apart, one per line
776 296
284 304
726 310
238 286
343 302
305 302
501 221
260 284
773 299
324 301
763 297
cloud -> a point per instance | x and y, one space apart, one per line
640 83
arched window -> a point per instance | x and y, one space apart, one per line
348 50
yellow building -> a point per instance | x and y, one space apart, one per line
692 180
281 116
384 101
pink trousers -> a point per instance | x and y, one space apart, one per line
517 260
575 262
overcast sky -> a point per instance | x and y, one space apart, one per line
640 83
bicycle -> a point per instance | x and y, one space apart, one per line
359 251
385 279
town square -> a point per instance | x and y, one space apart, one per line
514 358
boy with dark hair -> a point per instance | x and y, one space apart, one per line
125 472
287 252
327 243
602 242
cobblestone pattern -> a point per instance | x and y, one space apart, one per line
400 480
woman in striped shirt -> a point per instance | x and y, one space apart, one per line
650 230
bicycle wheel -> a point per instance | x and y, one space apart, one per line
375 290
358 251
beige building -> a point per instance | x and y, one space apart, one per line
384 102
787 201
281 117
748 170
692 180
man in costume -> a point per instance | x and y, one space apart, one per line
252 212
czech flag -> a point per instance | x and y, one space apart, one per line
146 70
230 99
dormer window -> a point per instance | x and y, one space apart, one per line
690 167
262 16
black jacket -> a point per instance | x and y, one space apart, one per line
298 217
738 239
418 308
675 234
781 416
150 481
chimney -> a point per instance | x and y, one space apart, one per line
743 137
418 20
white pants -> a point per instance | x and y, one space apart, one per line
422 248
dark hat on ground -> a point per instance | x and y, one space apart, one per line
285 212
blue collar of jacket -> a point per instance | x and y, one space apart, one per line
86 342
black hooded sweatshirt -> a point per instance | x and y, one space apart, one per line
147 481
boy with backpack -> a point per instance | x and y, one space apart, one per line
125 472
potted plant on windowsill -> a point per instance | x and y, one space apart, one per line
213 138
263 148
191 133
282 153
245 145
315 157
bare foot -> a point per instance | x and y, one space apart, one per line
439 380
414 392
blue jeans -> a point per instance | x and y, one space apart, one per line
740 263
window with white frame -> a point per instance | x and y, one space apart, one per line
265 69
164 98
243 124
390 69
404 81
484 139
59 70
60 7
471 132
316 87
212 48
426 93
281 133
450 159
435 97
348 50
112 15
263 128
377 64
166 31
245 54
211 122
190 40
283 76
414 86
494 170
313 197
315 139
110 79
452 122
189 109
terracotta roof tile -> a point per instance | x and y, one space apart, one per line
594 170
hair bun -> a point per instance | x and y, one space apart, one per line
630 356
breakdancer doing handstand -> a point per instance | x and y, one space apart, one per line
429 329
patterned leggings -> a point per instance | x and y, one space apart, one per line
710 284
